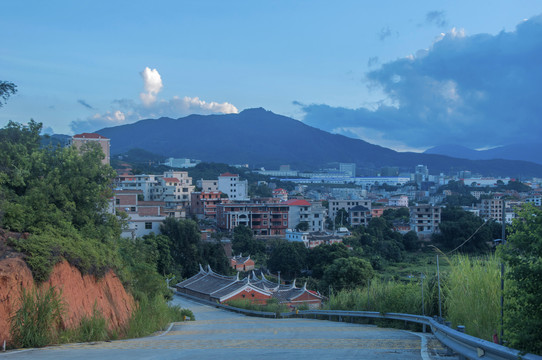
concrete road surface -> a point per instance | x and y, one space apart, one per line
218 334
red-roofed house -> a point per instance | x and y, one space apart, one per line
80 139
280 193
242 263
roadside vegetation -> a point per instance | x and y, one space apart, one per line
59 198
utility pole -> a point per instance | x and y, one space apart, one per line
502 270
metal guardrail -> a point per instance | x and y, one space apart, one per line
465 345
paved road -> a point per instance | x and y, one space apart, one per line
219 334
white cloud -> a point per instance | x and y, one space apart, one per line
152 82
150 107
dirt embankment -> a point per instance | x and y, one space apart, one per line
80 293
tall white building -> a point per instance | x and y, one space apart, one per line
230 185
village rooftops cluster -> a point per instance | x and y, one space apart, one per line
211 286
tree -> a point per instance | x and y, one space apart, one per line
411 241
185 244
342 218
6 90
322 256
302 226
457 226
288 257
348 273
522 255
244 243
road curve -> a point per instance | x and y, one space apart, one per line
218 334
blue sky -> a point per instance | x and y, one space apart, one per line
405 75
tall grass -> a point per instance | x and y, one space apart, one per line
153 314
470 295
473 298
38 321
382 296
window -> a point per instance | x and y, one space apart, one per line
148 225
117 201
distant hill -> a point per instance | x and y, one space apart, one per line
526 152
262 138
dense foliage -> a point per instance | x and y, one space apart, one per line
465 232
522 254
59 198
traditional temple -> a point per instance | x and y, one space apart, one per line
211 286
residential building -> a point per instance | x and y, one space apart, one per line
86 138
242 263
425 218
203 204
359 216
398 201
263 219
144 217
303 211
491 209
535 199
207 185
336 204
280 193
231 185
173 188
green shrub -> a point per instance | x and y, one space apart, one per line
38 321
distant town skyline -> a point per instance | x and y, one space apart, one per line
396 75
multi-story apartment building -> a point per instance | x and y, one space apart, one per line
144 217
173 188
491 209
230 185
535 199
263 219
302 210
398 201
204 203
335 205
359 216
80 139
207 185
425 218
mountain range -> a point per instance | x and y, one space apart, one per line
527 151
264 139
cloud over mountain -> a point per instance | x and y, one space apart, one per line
125 111
479 91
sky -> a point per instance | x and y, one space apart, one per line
404 75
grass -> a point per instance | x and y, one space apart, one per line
153 314
272 305
38 321
470 293
473 300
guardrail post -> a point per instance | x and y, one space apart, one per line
461 329
340 318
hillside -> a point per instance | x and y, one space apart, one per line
262 138
527 152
